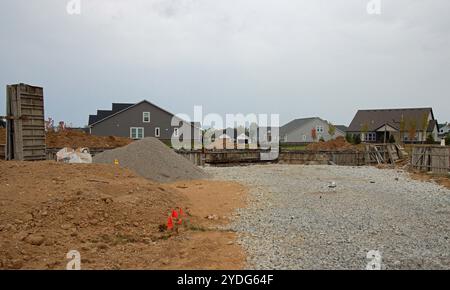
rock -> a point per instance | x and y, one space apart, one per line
35 240
66 226
212 217
21 236
28 217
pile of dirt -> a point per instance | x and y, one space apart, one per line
77 138
338 144
2 136
102 211
152 159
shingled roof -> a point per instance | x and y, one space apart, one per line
102 114
375 119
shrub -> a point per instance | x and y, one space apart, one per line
357 140
349 138
447 139
430 139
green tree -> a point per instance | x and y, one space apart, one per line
447 140
331 129
364 130
430 139
357 139
412 129
349 138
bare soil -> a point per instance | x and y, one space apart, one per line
77 138
442 180
113 217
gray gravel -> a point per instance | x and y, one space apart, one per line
152 159
294 220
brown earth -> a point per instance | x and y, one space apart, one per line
338 144
114 218
77 138
442 180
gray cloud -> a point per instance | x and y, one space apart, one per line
297 58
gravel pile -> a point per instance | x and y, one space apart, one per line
152 159
296 220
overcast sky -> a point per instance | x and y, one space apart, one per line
298 58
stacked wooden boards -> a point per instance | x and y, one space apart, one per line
25 123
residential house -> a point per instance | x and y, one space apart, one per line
342 128
410 125
444 130
308 130
140 120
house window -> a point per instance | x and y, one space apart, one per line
136 133
319 129
304 137
146 117
175 132
371 137
157 132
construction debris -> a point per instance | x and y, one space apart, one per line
385 153
338 144
69 155
152 159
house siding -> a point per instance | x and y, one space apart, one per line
296 135
120 124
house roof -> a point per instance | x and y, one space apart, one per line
431 125
341 128
119 108
375 119
102 114
294 124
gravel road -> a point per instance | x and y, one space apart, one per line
294 220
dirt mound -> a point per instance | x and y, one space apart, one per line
103 211
77 138
152 159
338 144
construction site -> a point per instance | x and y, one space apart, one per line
138 204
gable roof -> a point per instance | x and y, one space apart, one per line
341 128
119 108
295 124
378 118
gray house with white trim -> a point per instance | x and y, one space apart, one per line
300 131
137 121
